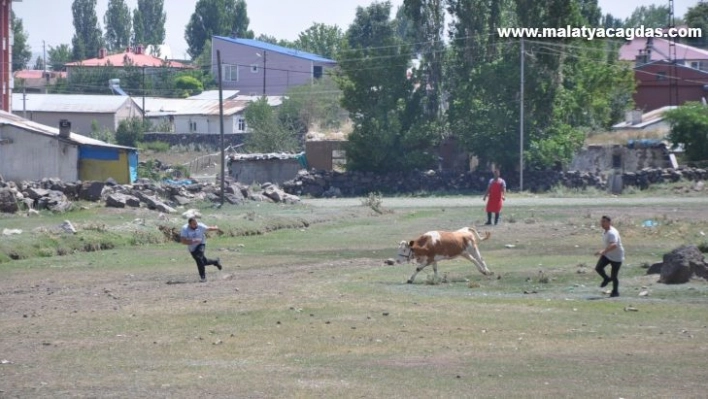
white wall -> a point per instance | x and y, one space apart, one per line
34 156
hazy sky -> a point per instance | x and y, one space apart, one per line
284 19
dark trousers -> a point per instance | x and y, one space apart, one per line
201 259
600 269
489 218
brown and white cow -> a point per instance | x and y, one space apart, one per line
436 245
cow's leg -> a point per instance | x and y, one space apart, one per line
435 272
472 254
417 270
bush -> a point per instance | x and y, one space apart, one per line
130 131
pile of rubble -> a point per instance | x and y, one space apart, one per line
57 196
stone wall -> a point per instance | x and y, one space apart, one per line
627 158
354 184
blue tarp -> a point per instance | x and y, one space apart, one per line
133 165
100 153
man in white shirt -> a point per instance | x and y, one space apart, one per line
612 254
193 235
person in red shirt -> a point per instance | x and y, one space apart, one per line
496 192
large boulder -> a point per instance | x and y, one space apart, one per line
55 201
118 200
91 191
683 263
8 201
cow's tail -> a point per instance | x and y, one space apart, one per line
479 237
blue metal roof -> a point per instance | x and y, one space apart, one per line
278 49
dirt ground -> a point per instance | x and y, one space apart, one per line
73 328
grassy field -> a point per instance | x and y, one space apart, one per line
306 308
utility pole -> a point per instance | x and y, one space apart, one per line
143 95
221 126
44 54
264 73
521 122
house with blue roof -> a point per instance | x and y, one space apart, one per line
259 68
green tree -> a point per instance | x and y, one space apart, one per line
118 25
131 131
697 17
88 38
428 23
321 39
267 133
188 86
314 106
59 56
216 17
274 40
652 16
689 127
149 23
21 52
389 133
38 64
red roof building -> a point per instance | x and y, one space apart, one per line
132 56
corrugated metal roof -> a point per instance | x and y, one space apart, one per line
278 49
158 106
7 118
84 103
214 95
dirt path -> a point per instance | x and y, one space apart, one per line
512 201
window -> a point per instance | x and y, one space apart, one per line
317 71
254 68
241 125
192 126
230 73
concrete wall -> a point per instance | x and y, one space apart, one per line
600 159
281 71
265 170
25 155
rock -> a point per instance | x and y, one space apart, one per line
11 232
8 201
67 227
54 201
390 262
37 193
192 213
91 191
681 264
655 268
181 201
121 201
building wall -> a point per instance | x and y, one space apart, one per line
203 124
281 71
605 158
32 156
102 169
321 154
80 123
654 88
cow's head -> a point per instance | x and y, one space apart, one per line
405 253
